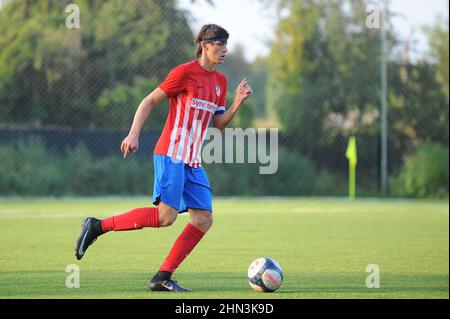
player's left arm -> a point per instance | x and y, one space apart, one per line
243 92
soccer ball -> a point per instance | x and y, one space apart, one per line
265 275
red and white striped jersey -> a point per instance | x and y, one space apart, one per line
196 95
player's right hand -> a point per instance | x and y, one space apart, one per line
129 144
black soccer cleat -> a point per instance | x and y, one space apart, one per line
167 285
88 236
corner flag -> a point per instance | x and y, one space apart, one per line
351 154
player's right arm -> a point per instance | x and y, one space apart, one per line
131 142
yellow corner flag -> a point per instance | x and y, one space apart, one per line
352 156
351 152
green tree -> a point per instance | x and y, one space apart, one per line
53 75
258 81
324 67
418 109
418 101
438 39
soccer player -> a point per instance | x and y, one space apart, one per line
197 94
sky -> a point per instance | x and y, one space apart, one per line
251 23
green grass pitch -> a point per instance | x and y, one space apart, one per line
323 246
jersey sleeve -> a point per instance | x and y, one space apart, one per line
223 98
174 82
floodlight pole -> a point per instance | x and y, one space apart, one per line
384 102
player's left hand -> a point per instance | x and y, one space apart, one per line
243 92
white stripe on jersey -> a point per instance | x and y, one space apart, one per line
198 156
181 144
173 134
197 135
194 139
195 121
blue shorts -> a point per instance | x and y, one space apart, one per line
180 186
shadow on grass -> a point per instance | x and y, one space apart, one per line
134 284
356 284
325 283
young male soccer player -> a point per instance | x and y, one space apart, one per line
197 95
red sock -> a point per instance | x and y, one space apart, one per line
135 219
184 244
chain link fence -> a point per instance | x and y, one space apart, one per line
68 94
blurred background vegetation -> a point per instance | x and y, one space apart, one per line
68 96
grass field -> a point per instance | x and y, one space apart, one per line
323 245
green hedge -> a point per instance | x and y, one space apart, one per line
296 176
425 173
29 168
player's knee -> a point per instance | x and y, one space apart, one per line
165 221
167 217
202 221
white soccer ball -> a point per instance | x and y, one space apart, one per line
265 275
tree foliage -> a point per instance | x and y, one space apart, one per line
325 67
325 81
54 75
438 39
